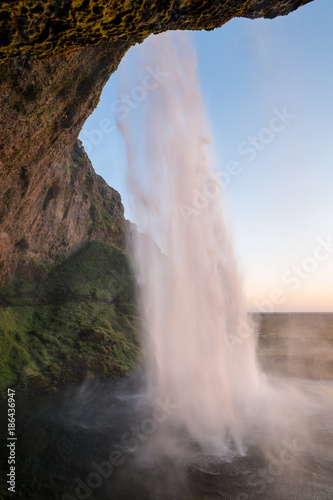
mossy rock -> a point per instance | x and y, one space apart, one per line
80 320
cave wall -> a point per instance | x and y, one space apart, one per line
55 59
50 28
48 186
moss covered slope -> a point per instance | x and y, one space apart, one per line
79 321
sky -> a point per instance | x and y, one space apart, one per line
268 90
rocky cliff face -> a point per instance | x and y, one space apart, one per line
50 198
50 211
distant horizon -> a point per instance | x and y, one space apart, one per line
292 312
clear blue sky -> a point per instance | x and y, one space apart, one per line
280 205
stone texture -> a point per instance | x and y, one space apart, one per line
50 211
53 27
45 199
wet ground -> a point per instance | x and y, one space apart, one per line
111 440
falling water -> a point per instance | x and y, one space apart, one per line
199 336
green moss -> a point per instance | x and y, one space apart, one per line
81 320
101 215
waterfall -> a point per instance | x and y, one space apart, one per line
201 341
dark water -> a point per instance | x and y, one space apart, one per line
110 440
